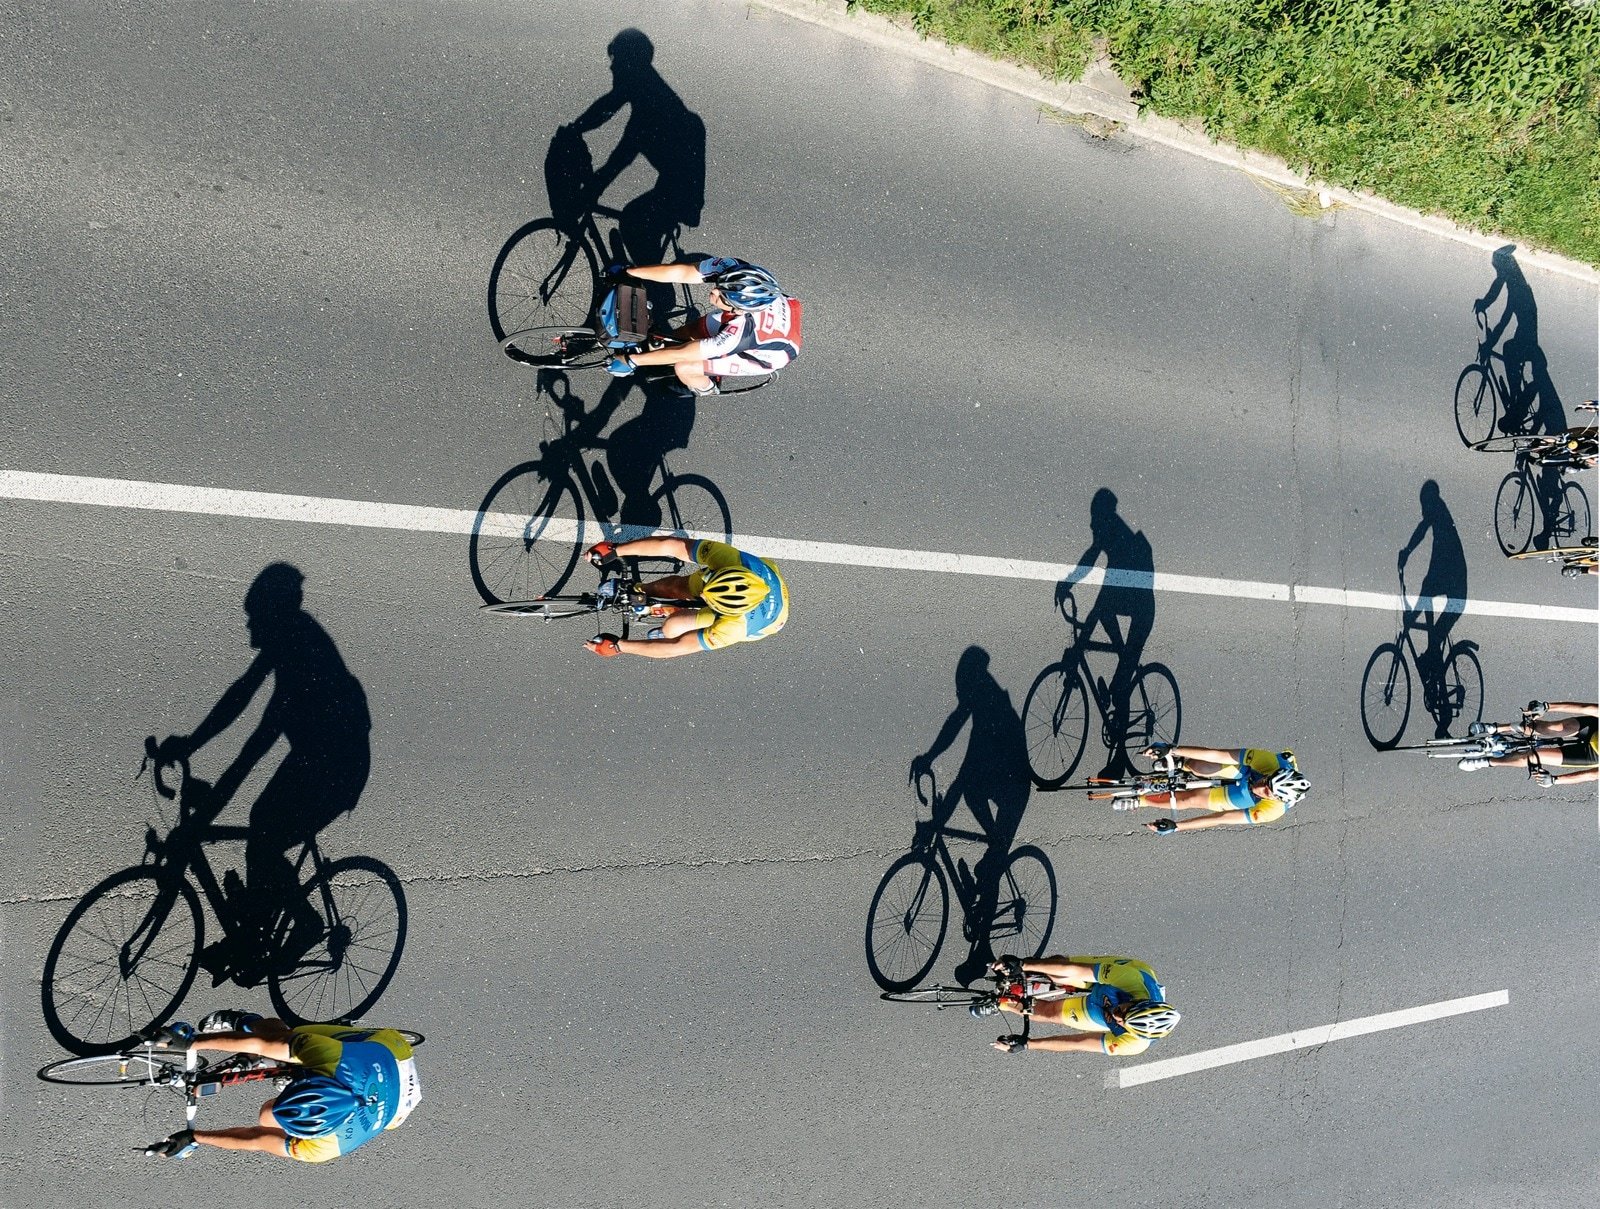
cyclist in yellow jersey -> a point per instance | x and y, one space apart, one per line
1121 1007
356 1083
731 596
1573 741
1258 786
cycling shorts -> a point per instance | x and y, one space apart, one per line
1585 748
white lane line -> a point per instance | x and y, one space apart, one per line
315 510
1171 1068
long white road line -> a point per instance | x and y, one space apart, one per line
1171 1068
316 510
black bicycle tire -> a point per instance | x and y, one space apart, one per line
61 1028
1513 443
1574 513
939 996
897 980
1072 680
1510 533
563 607
1030 852
371 990
672 513
514 302
514 564
1384 740
743 383
1164 723
529 346
174 1059
1471 685
1472 427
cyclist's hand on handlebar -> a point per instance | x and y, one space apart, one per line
920 767
1543 777
604 555
1011 1043
605 644
175 1146
616 272
1009 966
1537 707
1162 826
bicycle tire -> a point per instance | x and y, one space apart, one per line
1463 686
363 908
544 276
95 1000
130 1069
742 384
1477 405
1155 711
939 996
906 922
527 536
557 347
552 608
1055 716
1574 523
1510 444
1386 698
692 506
1028 895
1516 512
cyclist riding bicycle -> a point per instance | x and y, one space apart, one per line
1561 742
730 597
1257 787
1122 1006
356 1084
753 328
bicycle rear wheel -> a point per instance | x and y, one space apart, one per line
1055 719
1516 512
741 384
363 910
548 609
1477 405
692 506
1573 522
906 922
1154 710
1461 693
1025 907
136 1068
527 535
543 277
940 996
124 958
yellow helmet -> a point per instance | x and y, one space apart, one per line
733 591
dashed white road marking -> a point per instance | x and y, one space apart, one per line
1171 1068
316 510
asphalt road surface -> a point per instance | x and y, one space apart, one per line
248 248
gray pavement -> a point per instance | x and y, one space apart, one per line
249 248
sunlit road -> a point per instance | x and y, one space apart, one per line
249 248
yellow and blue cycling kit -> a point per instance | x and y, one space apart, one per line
1252 766
1118 982
766 619
376 1064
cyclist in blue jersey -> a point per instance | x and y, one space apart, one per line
356 1084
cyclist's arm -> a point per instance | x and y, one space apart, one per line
1213 755
1571 707
246 1043
1061 971
1203 822
262 1138
1580 777
686 273
662 648
657 547
231 704
1080 1043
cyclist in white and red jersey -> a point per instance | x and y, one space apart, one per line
753 327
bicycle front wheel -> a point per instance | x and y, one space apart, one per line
123 959
557 347
1055 719
940 996
347 969
1385 696
527 536
136 1068
543 277
1025 908
1477 405
906 922
551 608
1516 512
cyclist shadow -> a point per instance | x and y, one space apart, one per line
1006 896
1536 507
1517 396
539 516
1138 703
324 937
1448 671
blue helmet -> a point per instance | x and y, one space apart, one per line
747 287
313 1106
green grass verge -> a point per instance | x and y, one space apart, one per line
1487 111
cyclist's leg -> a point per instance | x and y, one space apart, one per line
679 622
1183 799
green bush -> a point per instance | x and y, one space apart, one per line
1487 111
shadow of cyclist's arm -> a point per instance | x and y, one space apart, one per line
231 704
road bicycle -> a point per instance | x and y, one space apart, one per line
1534 503
910 909
1167 777
1026 991
130 949
1453 693
619 593
1576 560
1483 391
184 1073
1573 450
1057 710
1494 744
541 515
